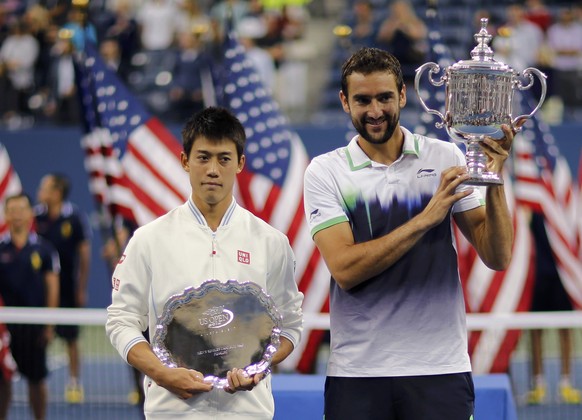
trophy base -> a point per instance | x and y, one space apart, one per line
484 179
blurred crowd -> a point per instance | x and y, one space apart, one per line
550 39
158 48
532 33
155 46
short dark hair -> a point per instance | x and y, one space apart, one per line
17 196
215 124
369 60
62 183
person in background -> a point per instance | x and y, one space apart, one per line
186 87
110 51
518 42
250 30
111 252
29 277
364 25
222 11
67 228
564 40
537 12
208 237
404 35
38 20
157 20
58 10
81 28
18 55
62 103
124 29
549 295
380 212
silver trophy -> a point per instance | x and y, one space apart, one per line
217 327
479 96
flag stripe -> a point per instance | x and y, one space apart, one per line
9 183
544 183
271 185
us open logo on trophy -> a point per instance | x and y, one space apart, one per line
216 317
479 96
219 326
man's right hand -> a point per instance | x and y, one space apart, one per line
446 195
185 383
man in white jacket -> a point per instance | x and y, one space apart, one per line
195 242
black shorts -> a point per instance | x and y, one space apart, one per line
67 300
549 295
29 350
432 397
67 332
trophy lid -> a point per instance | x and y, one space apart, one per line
482 55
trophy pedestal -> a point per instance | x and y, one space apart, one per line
484 179
477 165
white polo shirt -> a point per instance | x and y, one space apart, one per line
410 319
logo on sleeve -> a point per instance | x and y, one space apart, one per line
244 257
315 213
115 283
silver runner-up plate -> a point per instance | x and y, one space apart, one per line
217 327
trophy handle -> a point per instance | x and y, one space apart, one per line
542 77
434 69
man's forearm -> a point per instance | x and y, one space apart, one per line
497 239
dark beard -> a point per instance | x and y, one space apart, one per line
360 127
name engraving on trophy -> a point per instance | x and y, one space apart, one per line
216 317
219 351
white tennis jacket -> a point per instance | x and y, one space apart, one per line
179 250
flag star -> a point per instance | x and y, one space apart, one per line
270 158
258 163
242 81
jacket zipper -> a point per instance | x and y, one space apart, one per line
213 255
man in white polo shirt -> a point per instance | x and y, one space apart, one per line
380 213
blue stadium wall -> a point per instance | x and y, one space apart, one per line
38 151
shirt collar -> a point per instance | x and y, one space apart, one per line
66 209
357 159
32 237
199 217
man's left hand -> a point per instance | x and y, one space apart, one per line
238 380
497 151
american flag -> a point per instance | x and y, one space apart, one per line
486 291
127 149
544 183
271 185
9 183
132 159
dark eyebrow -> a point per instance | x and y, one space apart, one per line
388 93
206 152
